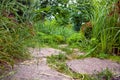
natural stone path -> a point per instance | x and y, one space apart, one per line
92 65
44 52
37 68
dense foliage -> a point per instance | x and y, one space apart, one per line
15 29
106 28
99 31
91 25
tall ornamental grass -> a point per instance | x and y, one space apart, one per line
13 33
105 28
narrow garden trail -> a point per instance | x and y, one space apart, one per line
38 69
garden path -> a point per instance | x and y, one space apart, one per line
37 68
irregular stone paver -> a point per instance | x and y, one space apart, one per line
36 70
91 65
44 52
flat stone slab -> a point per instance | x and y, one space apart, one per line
36 70
44 52
92 65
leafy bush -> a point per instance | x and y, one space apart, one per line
81 12
52 32
59 39
75 38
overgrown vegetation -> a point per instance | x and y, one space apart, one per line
13 33
51 32
92 26
100 34
105 25
59 63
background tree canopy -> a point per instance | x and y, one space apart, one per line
66 11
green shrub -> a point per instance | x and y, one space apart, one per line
47 39
75 38
50 39
59 39
51 32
